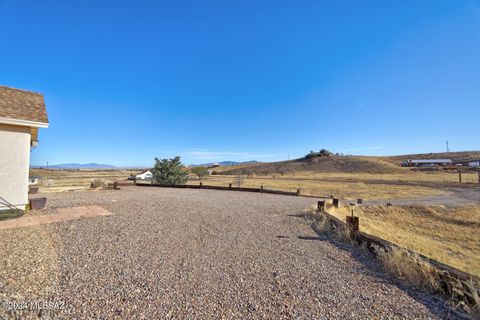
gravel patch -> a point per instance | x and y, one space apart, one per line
181 253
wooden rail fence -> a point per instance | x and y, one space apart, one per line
297 193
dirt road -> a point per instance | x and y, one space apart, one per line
452 197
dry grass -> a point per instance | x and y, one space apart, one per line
74 180
448 235
348 189
410 267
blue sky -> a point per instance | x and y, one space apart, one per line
127 81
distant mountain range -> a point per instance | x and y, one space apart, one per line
79 166
223 163
72 166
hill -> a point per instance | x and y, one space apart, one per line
318 164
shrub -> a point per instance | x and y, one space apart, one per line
97 183
200 171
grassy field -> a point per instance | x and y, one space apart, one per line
74 180
349 189
406 184
395 185
448 235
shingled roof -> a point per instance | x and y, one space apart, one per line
22 105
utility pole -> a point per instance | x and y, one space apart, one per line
47 165
448 149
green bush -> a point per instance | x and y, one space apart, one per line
321 153
199 171
169 171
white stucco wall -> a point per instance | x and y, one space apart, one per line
14 164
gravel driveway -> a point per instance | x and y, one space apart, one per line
180 253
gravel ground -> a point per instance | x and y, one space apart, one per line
179 253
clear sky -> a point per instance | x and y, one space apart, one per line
127 81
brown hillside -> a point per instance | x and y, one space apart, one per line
319 164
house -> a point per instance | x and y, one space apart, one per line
474 164
145 175
429 162
34 180
22 114
215 165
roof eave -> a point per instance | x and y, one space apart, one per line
25 123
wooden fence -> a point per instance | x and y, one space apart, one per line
297 193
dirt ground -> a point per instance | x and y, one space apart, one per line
451 197
181 253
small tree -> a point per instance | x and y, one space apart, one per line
169 171
200 172
325 153
239 180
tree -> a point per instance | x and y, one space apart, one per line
321 153
239 180
169 171
200 172
325 153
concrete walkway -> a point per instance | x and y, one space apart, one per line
63 214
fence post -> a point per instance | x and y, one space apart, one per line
201 184
134 181
352 226
261 188
298 192
115 185
336 203
459 176
478 175
321 205
230 185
